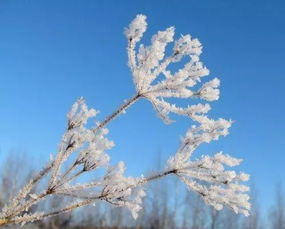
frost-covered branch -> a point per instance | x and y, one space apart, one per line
148 63
207 176
83 149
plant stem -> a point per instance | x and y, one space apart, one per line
157 176
121 108
29 203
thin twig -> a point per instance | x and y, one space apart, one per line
122 108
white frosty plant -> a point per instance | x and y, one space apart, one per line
87 147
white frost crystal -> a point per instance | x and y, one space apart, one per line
123 191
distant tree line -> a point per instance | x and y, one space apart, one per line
166 206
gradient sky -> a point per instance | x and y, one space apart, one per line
52 52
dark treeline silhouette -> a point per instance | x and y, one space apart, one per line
167 205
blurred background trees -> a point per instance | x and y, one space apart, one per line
166 206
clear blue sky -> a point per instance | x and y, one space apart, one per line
52 52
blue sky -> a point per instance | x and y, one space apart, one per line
53 52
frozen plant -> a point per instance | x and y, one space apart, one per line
86 148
